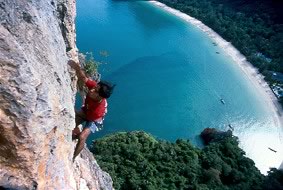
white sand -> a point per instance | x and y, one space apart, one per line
266 158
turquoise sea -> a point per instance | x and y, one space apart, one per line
170 76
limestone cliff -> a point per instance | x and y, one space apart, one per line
37 37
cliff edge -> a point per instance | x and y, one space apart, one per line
37 99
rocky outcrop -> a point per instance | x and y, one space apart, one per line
209 135
89 174
37 97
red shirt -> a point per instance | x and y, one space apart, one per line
94 110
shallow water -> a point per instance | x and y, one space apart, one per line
170 78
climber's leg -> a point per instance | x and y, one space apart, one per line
81 142
80 118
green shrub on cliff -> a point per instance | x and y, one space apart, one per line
135 160
90 65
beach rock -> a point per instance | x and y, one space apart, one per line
37 91
212 135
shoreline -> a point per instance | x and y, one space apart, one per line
252 73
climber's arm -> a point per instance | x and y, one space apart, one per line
80 73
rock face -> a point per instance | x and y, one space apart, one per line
37 89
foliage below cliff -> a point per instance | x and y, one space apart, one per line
135 160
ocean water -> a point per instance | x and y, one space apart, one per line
170 77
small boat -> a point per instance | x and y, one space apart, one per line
222 101
230 126
272 149
217 52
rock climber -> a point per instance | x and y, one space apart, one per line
93 109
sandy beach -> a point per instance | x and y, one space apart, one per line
256 79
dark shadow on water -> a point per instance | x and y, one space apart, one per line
152 19
146 63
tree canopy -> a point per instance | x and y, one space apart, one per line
253 27
136 160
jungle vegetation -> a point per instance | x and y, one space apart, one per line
254 27
136 160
